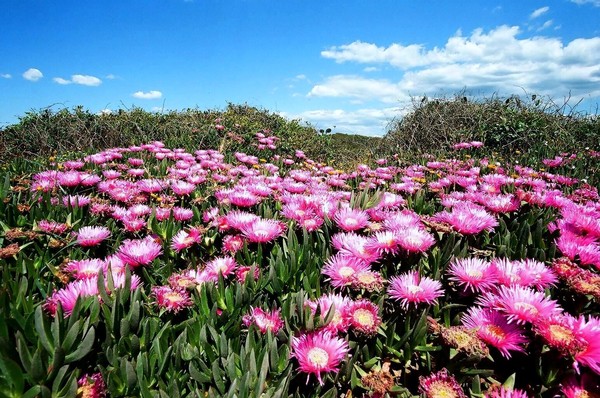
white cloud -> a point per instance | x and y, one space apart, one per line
154 94
86 80
495 61
32 74
371 69
6 76
546 25
595 3
62 81
110 76
366 121
358 88
539 12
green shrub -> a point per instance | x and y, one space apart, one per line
44 132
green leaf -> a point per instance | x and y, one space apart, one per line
83 348
43 330
13 373
509 383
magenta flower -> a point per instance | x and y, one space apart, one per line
87 268
440 385
522 304
340 305
264 320
219 265
473 274
363 316
467 219
351 219
171 299
411 288
493 328
136 252
92 236
263 230
91 386
52 227
319 353
341 269
414 239
184 239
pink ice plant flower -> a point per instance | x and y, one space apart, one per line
493 328
414 239
474 274
138 252
263 230
86 268
412 289
265 321
341 269
171 299
92 236
363 316
524 305
332 302
467 219
440 385
319 353
351 219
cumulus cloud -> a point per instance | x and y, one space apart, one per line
539 12
62 81
32 74
6 76
495 61
595 3
84 80
366 121
154 94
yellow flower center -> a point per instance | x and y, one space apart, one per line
318 356
363 317
441 389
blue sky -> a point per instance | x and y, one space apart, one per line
352 64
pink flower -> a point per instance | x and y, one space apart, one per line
52 227
336 302
171 299
414 239
440 385
352 244
263 230
182 214
522 304
92 236
473 274
493 328
265 321
91 386
467 219
233 243
503 392
87 268
319 353
411 288
351 219
184 239
341 269
363 316
219 265
136 252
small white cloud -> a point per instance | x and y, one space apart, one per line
300 77
545 25
539 12
86 80
32 74
595 3
105 111
110 76
371 69
6 76
154 94
62 81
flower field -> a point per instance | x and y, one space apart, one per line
153 271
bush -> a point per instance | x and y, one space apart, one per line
44 132
505 125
